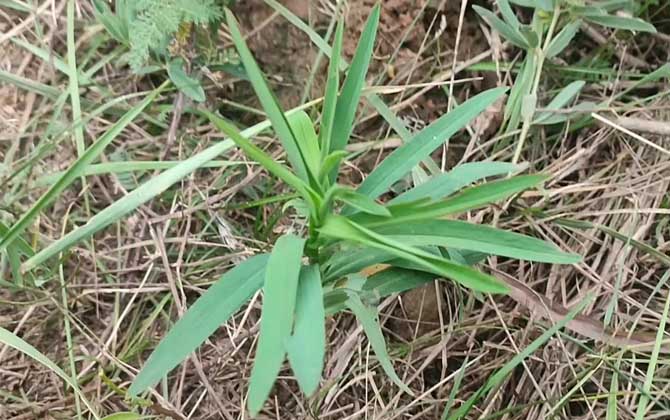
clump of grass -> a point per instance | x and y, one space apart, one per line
316 270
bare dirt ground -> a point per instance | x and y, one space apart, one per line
117 290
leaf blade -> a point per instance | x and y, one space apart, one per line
267 99
211 310
463 235
368 319
280 288
403 159
306 347
345 110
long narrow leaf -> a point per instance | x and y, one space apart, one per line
332 89
462 235
368 319
448 183
341 228
345 111
305 135
280 288
403 159
76 169
562 40
267 99
260 156
306 347
563 97
621 22
508 32
469 199
207 314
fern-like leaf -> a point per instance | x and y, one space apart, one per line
157 21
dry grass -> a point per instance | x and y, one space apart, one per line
120 290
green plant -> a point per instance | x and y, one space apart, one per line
554 25
177 33
322 269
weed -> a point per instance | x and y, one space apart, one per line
320 271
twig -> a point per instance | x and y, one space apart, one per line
630 133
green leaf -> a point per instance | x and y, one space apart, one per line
463 235
303 129
345 111
188 85
403 159
362 202
620 22
507 31
260 156
563 39
330 98
396 280
508 14
331 162
521 88
267 99
496 379
76 170
339 227
209 312
12 340
442 185
353 260
306 347
469 199
279 297
368 319
563 97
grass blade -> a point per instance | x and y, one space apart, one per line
303 129
268 100
563 97
260 156
463 235
15 342
469 199
342 228
563 39
345 111
403 159
306 347
279 297
508 14
442 185
368 319
331 95
621 22
507 31
211 310
76 169
362 203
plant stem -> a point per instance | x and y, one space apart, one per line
540 53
